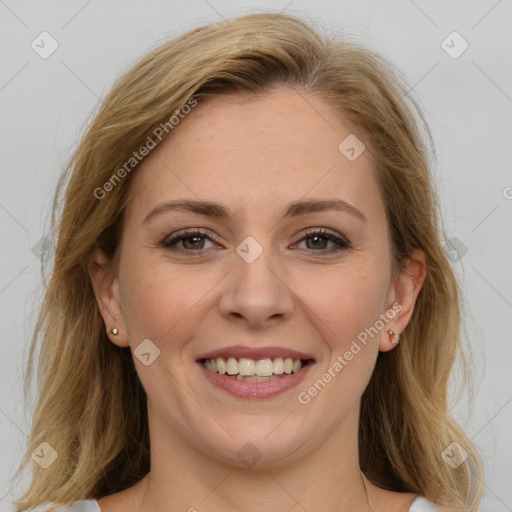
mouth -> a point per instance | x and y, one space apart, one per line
255 373
252 370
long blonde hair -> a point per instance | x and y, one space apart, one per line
92 407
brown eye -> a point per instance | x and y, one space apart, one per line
191 240
318 241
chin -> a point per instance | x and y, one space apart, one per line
258 443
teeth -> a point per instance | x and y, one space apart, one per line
256 378
278 366
231 366
221 365
251 370
265 367
247 367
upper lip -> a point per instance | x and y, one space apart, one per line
238 351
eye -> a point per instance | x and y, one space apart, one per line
316 239
319 239
192 240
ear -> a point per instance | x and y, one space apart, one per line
402 297
106 291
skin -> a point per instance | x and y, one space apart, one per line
255 156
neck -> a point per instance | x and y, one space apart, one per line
327 477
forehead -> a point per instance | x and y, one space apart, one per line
256 154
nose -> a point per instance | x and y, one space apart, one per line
256 293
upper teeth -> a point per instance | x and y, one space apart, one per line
248 367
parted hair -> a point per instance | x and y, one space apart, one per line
91 407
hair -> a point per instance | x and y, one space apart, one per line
92 407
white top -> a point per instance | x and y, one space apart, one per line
420 504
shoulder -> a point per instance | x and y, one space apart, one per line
421 504
77 506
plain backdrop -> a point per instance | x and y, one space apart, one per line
465 95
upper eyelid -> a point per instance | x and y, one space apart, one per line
190 232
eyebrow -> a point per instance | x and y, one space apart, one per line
220 212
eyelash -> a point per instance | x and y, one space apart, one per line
170 242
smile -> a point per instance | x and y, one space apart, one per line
255 372
252 370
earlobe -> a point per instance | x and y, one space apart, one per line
389 338
106 291
393 336
404 291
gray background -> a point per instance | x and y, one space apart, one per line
467 101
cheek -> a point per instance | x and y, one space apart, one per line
158 299
166 302
346 298
363 301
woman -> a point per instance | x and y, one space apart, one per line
250 307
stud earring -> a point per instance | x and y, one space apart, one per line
394 337
114 331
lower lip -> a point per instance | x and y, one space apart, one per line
254 390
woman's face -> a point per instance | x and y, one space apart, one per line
258 284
